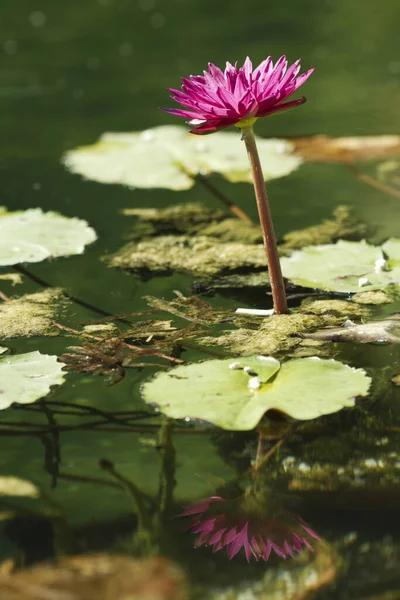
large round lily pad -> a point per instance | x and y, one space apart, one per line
345 266
25 378
236 398
32 236
170 157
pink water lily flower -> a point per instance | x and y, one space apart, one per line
219 99
221 523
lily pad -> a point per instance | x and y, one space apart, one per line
32 236
24 378
235 394
392 248
170 157
345 266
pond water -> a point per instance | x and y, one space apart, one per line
70 71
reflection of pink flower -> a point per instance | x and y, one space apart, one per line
219 99
221 527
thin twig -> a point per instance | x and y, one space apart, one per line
4 297
369 180
88 305
94 428
234 208
167 471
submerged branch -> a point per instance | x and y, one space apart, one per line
83 303
369 180
234 208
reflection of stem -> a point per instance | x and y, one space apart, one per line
275 447
52 445
261 460
260 449
167 473
234 208
267 226
369 180
144 536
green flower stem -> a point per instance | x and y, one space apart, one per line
264 212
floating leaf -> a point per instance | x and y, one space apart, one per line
15 486
32 236
307 388
170 157
345 266
25 378
234 395
392 248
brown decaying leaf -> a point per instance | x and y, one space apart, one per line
387 331
322 148
103 358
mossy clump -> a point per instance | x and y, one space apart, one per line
236 281
234 230
376 297
30 315
175 219
197 255
281 334
342 226
336 311
192 219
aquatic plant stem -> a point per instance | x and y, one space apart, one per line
264 212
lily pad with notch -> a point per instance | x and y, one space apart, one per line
234 394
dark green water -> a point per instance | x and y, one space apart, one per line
71 70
